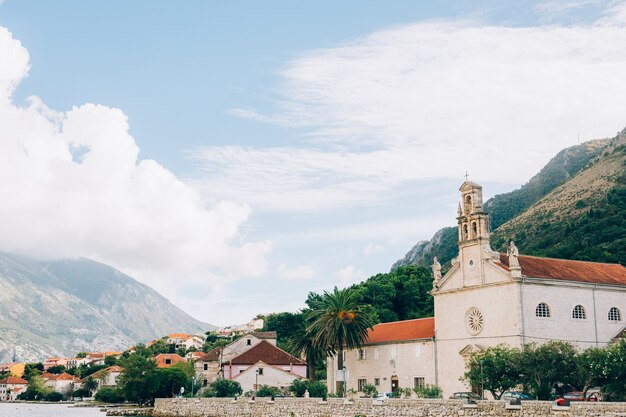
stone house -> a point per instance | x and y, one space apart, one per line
165 360
261 373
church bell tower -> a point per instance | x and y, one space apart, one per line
473 225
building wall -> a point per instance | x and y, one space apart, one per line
299 370
561 297
499 304
271 376
385 362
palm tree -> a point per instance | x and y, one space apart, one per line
301 342
338 322
90 384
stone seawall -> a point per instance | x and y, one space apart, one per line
334 407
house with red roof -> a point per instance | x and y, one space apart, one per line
106 377
62 383
165 360
11 387
489 298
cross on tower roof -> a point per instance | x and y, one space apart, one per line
466 175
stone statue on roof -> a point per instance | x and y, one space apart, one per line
436 266
513 255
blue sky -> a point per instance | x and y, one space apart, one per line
265 149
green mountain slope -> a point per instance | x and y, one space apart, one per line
585 218
502 208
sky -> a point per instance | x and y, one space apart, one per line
237 155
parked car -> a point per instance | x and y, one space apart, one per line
469 397
384 395
513 395
576 396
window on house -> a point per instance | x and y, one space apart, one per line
419 382
361 383
248 342
615 314
542 310
361 354
579 312
206 366
260 371
205 382
168 361
376 382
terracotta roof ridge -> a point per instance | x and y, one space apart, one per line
563 259
404 321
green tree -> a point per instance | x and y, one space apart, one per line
301 342
223 388
590 365
170 381
139 382
547 367
112 395
615 371
110 360
31 369
57 369
337 322
298 387
267 391
81 355
496 370
35 390
90 385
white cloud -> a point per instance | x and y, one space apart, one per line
300 272
424 101
372 248
349 275
72 184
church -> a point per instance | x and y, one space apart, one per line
485 299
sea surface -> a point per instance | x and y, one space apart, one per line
47 410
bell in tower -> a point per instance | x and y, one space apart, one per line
472 220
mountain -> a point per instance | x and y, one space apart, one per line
61 308
563 169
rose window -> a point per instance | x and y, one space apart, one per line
474 320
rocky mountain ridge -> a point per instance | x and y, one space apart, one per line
61 308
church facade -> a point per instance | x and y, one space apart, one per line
489 298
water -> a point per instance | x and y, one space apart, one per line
47 410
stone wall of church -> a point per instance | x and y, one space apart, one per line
561 299
499 306
300 407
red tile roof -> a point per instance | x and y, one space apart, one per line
162 357
212 355
567 270
66 377
267 353
402 330
13 380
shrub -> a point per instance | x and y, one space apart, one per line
109 395
267 391
317 389
54 397
429 391
370 390
298 387
224 388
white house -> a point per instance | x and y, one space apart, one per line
261 373
11 387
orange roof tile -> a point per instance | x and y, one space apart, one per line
267 353
66 377
179 335
568 270
173 357
13 380
402 330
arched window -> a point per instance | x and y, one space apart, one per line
579 312
615 314
542 310
465 231
474 229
